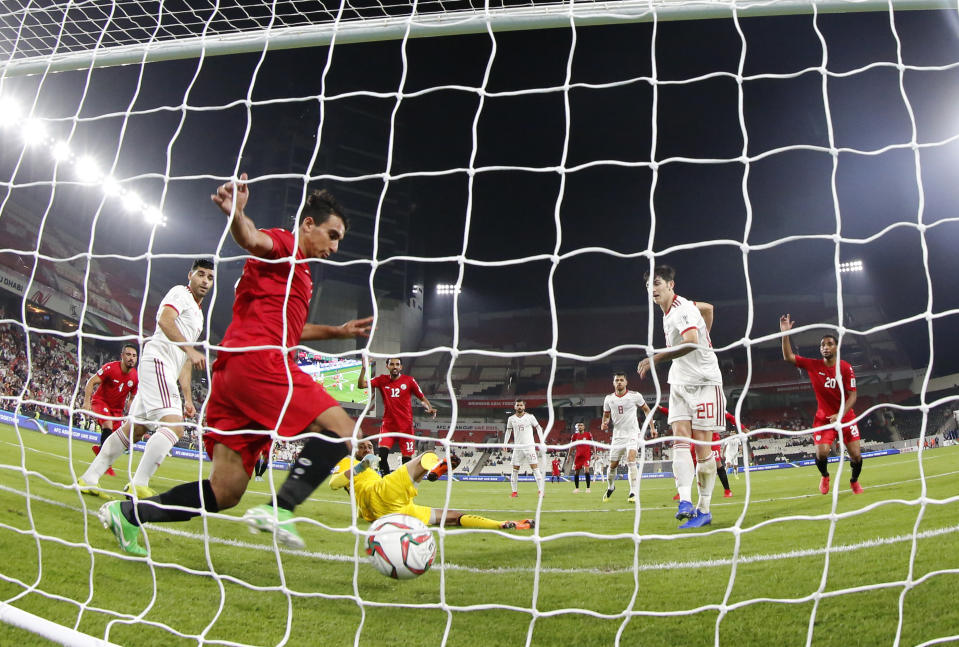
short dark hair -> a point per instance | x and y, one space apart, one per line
618 373
829 335
665 272
202 262
520 400
390 359
133 346
320 205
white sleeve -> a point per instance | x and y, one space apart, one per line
176 299
509 429
640 400
606 408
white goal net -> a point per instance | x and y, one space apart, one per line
511 171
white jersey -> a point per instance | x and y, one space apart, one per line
624 412
189 321
521 429
700 367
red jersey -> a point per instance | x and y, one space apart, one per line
398 408
261 297
826 386
116 385
555 466
583 450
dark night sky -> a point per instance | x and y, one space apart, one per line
602 205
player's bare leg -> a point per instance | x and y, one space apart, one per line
683 468
855 462
822 463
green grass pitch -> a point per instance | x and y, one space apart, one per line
591 574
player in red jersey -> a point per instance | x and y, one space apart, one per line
108 391
262 388
830 388
396 390
584 452
555 476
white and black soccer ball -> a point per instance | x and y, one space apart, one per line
401 546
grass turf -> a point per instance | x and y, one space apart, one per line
590 574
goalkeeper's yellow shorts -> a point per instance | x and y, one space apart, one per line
393 494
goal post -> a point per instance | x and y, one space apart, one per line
32 47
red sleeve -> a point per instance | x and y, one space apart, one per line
282 242
663 410
849 377
415 389
730 418
805 362
379 381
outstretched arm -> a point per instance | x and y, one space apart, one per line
785 325
352 328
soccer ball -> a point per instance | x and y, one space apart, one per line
402 547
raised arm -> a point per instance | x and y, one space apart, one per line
785 325
244 232
167 323
361 382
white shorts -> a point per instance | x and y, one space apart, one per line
525 453
704 406
157 396
619 449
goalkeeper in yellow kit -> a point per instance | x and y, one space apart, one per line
377 496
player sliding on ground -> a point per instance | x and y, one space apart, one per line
622 407
830 387
261 389
167 359
377 496
696 399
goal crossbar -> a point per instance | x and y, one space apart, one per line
423 24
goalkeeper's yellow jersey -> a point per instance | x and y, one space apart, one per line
362 480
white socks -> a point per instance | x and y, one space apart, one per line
706 473
111 450
538 475
684 471
514 480
611 477
157 449
633 478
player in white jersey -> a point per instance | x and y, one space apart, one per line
697 405
168 359
520 426
622 407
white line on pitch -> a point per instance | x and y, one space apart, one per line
655 566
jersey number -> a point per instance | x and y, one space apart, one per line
705 410
830 383
394 393
620 409
120 387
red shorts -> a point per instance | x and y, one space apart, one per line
407 445
850 433
716 449
581 461
112 418
248 391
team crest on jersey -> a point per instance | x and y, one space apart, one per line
130 383
403 386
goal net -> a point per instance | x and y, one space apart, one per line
511 171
